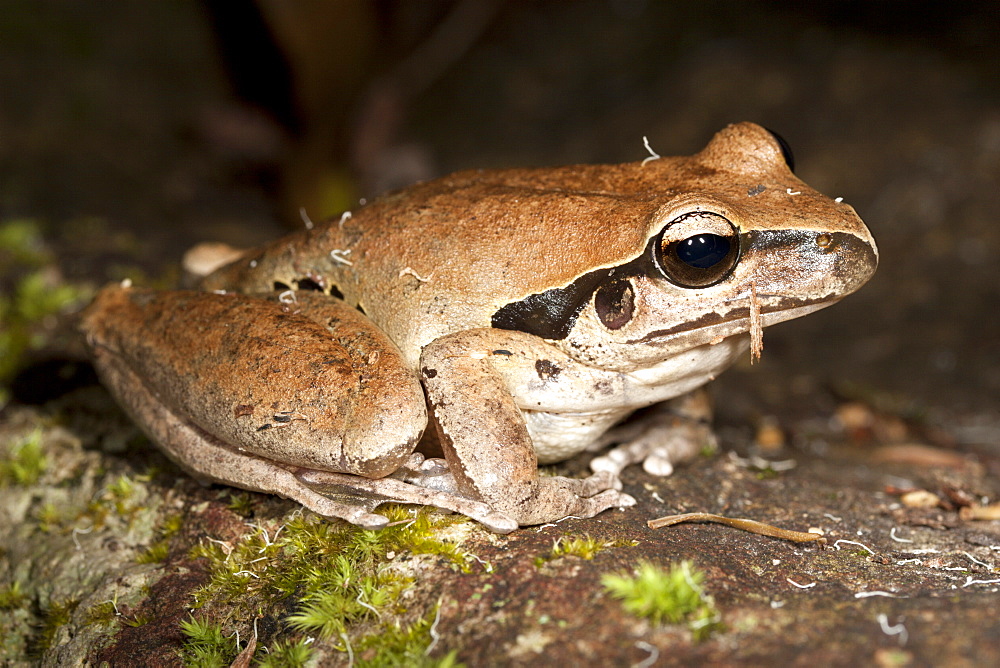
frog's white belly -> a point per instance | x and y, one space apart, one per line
558 432
560 436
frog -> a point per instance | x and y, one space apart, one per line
440 344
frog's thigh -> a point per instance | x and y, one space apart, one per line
483 433
311 384
207 458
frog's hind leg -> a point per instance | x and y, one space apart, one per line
218 462
372 493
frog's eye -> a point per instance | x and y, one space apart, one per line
786 150
697 249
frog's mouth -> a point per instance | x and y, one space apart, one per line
715 327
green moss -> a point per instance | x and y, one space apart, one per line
402 645
336 577
155 553
49 517
241 503
583 547
287 654
35 293
12 597
346 599
673 596
25 462
121 497
138 620
102 613
158 551
308 554
171 525
21 243
57 614
206 645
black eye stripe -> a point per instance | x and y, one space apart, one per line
552 314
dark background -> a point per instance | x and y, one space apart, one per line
135 130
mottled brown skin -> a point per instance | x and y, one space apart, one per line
490 237
272 367
533 308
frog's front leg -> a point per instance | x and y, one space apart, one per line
663 436
478 382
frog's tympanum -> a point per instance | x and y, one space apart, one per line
515 316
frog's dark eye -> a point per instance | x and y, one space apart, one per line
697 249
786 150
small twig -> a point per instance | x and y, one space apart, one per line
368 605
306 220
991 512
752 526
435 636
76 531
756 325
894 630
836 545
340 255
350 652
800 586
653 155
892 535
976 561
869 594
654 654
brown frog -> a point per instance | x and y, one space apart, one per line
522 313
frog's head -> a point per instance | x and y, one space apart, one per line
742 245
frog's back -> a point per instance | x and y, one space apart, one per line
448 254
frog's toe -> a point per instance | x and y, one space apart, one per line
608 480
659 448
357 512
606 500
658 465
497 522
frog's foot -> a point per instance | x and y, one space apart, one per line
671 434
432 473
367 494
556 497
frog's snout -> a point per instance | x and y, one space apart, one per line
856 257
